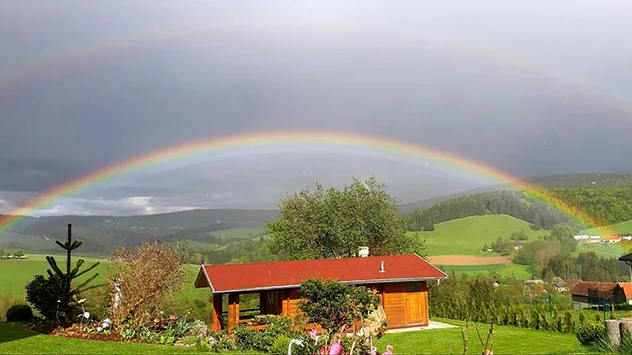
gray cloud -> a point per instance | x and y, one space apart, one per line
85 86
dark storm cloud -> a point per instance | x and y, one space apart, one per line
360 67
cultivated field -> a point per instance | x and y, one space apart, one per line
468 260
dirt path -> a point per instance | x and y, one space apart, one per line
468 260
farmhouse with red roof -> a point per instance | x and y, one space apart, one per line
400 280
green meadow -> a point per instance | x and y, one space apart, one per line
466 236
519 271
14 339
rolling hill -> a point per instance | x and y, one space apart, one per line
589 181
466 236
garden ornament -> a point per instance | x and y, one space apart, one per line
336 348
298 342
388 350
85 315
313 335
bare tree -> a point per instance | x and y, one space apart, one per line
140 277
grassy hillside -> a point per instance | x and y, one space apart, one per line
624 227
466 236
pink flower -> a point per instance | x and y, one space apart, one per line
172 317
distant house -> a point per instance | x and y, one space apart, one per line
533 282
626 236
595 239
595 293
582 238
517 246
612 238
627 289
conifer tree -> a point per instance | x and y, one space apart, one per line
582 317
63 280
613 315
556 320
569 322
598 317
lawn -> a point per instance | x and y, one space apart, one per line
610 250
520 271
15 274
466 236
507 340
623 227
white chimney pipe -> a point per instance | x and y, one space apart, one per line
382 266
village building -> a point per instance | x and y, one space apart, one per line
586 294
627 289
612 238
400 281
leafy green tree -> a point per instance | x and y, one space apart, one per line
18 253
63 280
332 304
315 224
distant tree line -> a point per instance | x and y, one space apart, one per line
605 206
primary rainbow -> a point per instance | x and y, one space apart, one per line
263 139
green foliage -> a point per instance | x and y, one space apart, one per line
63 280
613 315
556 320
582 317
598 317
18 253
590 333
19 313
266 340
332 304
569 322
313 224
42 293
503 246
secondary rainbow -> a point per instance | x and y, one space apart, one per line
120 42
263 139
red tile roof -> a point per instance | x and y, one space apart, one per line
588 289
289 274
627 288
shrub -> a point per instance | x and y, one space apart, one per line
264 340
582 317
569 322
19 313
590 333
42 294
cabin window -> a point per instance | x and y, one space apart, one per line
413 286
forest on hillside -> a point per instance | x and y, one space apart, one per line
606 206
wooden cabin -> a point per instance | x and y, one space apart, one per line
401 282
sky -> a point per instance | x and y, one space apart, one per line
528 88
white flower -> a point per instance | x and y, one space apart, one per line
99 329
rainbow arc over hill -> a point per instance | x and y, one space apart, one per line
264 139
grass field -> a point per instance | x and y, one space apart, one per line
610 250
623 227
466 236
15 274
519 271
14 339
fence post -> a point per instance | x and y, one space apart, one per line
614 334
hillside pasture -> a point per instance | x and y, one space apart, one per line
619 228
466 236
609 250
519 271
